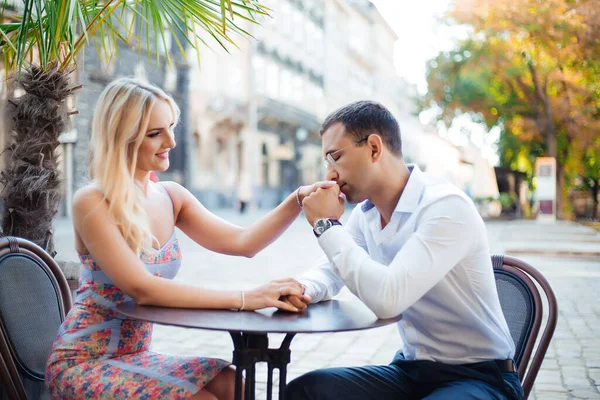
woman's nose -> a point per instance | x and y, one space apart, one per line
171 143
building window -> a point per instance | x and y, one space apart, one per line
320 43
285 18
286 84
299 23
272 79
319 93
258 64
298 88
235 80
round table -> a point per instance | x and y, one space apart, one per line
249 331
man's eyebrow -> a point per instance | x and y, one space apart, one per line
330 151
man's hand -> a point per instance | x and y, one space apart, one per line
301 303
323 203
272 294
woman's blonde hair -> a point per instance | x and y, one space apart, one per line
118 129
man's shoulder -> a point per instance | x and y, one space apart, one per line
439 189
442 192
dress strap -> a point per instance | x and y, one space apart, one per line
167 193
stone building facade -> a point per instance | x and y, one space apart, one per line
257 110
251 115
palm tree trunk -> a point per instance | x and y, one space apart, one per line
32 186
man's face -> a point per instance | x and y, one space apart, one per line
350 164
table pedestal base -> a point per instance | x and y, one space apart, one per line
250 348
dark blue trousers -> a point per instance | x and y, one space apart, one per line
404 379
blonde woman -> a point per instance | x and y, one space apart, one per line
124 232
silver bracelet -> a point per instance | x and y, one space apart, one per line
298 198
243 302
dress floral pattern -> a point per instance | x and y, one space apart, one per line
101 354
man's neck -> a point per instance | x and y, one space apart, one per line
389 188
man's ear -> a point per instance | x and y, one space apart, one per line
375 143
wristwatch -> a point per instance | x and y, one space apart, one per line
323 224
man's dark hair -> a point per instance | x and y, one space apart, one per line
363 118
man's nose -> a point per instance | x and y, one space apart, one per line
331 174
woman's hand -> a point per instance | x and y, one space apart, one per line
305 191
273 294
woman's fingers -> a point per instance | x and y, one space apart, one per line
288 281
289 290
286 294
324 184
307 190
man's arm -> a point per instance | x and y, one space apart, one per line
445 234
322 281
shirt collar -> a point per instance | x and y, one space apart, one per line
411 195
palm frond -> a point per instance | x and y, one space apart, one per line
47 31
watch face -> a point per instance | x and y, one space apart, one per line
322 225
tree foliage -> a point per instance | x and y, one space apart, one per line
532 68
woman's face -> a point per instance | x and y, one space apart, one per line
153 154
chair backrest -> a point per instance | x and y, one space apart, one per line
34 299
521 302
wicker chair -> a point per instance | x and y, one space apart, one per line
522 305
34 299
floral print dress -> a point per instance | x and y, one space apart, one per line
101 354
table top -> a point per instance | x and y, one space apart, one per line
327 316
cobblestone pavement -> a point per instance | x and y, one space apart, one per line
568 255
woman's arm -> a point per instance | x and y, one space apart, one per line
110 251
220 236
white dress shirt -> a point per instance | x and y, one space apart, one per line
430 263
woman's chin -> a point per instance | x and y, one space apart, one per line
162 167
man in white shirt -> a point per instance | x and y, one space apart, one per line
415 246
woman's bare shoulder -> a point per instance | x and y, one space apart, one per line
174 188
87 198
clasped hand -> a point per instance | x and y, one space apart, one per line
277 294
324 202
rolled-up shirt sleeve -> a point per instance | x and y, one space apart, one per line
444 235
